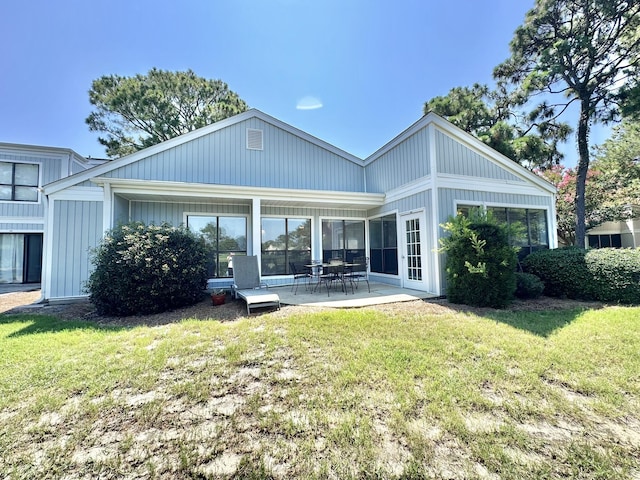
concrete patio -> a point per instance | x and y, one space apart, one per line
380 294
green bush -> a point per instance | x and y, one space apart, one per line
563 271
142 269
615 273
528 285
480 263
607 274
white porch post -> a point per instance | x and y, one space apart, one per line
256 245
107 207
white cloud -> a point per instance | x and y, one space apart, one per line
309 103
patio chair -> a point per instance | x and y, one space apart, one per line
299 273
335 272
247 284
359 271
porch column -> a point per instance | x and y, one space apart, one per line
256 245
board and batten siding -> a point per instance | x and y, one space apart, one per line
174 213
453 157
222 158
77 227
404 163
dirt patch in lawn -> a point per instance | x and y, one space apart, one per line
23 302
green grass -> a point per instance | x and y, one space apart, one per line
339 394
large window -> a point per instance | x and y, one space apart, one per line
19 182
528 226
342 239
383 245
224 237
285 241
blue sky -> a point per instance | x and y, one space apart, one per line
370 64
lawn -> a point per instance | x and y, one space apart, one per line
333 394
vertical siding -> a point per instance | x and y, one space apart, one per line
406 162
221 157
455 158
173 213
77 227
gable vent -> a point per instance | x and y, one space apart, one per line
254 139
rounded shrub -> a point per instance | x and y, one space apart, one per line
480 266
563 271
615 274
528 285
142 269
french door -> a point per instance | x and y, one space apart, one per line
413 259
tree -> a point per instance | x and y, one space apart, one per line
618 161
564 180
490 116
578 51
137 112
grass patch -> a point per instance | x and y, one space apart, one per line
345 394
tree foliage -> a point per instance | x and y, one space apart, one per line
576 51
618 161
491 116
140 111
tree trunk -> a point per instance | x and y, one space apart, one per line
583 168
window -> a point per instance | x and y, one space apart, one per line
342 239
284 241
605 241
383 245
19 182
529 228
224 238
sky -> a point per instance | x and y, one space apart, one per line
354 73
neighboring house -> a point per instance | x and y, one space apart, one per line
24 169
252 184
620 234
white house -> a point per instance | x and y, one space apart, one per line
255 185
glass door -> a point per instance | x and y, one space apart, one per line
413 264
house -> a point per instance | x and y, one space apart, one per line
24 169
617 234
252 184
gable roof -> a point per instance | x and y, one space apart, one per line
187 137
468 141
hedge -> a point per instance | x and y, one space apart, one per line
608 275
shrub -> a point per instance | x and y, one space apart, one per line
615 273
528 285
563 271
607 274
143 269
480 263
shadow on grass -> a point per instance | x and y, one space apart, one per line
49 324
540 317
